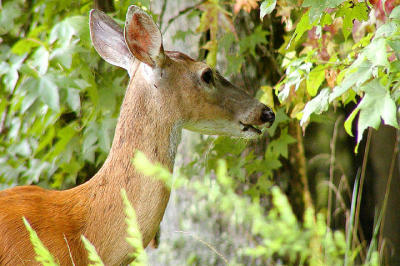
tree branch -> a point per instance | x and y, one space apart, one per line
181 13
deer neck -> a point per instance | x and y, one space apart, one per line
143 125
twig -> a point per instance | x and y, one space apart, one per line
268 54
181 13
206 244
271 33
385 200
332 170
362 179
69 250
351 223
339 197
344 186
163 9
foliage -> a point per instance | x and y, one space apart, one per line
278 232
134 237
54 86
143 165
92 253
368 76
43 255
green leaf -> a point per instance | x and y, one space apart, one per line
47 139
250 42
155 170
23 148
350 11
319 6
267 7
9 12
73 99
134 237
376 52
24 46
280 118
32 93
105 134
317 105
40 60
348 124
49 92
395 45
63 55
279 146
315 79
64 137
4 67
303 26
92 253
235 63
11 77
65 30
43 255
377 104
326 20
387 29
359 72
295 75
395 14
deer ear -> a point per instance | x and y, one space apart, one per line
108 39
143 37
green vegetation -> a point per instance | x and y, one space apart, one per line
42 253
326 67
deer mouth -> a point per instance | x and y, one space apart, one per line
249 128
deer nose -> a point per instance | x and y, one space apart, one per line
267 115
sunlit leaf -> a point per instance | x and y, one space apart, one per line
25 46
49 92
376 52
315 79
64 30
395 14
267 6
43 255
319 6
40 60
377 104
351 11
317 105
93 256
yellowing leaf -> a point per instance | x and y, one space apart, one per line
267 97
315 79
317 105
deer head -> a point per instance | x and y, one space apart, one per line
191 93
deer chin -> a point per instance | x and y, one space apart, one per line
224 128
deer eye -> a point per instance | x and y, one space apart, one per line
207 76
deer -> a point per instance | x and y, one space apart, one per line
168 91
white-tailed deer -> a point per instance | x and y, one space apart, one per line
167 91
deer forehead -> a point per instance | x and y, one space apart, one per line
180 69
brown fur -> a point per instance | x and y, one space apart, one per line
46 212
